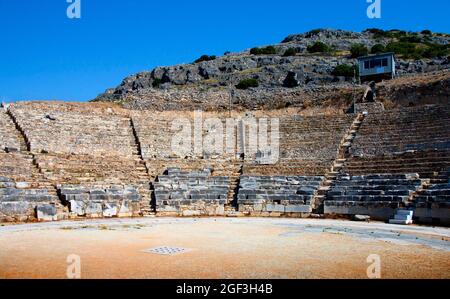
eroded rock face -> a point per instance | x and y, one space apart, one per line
209 84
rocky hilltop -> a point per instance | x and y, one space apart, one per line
304 69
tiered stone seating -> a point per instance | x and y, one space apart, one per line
24 193
83 149
9 140
432 205
398 131
85 174
154 132
426 163
191 193
377 195
408 140
308 146
81 169
64 128
277 195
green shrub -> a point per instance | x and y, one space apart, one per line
290 52
359 50
378 48
319 47
426 32
345 70
435 50
205 58
408 50
247 83
263 51
410 38
413 51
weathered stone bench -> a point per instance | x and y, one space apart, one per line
95 202
377 195
276 195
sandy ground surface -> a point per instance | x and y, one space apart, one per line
223 248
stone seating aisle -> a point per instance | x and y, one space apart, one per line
185 193
277 195
376 195
9 140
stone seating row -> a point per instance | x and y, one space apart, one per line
80 169
191 193
420 129
98 201
377 195
317 137
53 131
426 163
264 195
432 205
289 167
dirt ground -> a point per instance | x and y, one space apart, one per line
223 248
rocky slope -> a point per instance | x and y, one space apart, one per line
289 76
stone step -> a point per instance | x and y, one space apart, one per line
402 222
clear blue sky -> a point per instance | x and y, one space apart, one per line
45 55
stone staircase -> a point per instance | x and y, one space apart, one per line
338 164
25 194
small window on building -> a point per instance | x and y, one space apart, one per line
367 65
385 62
375 63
